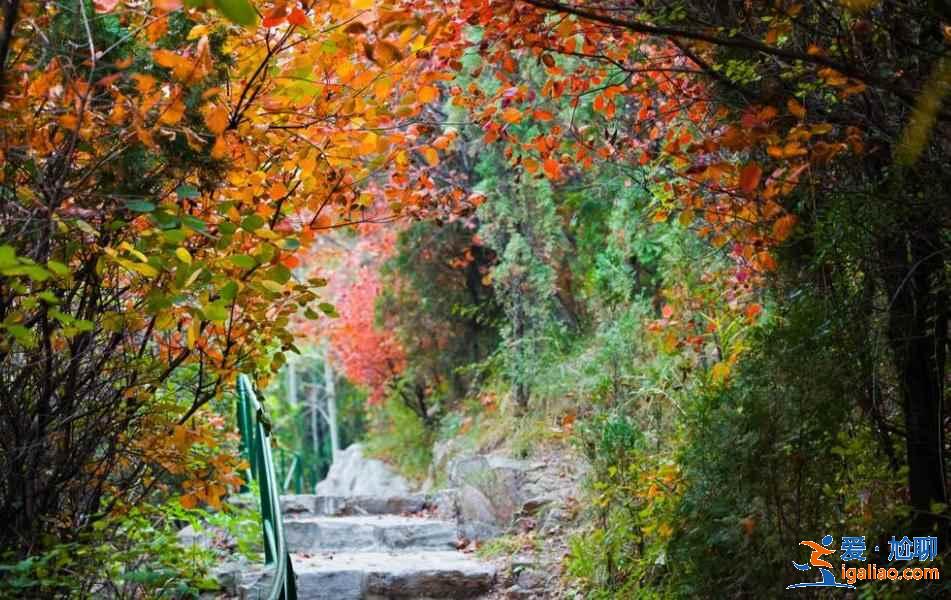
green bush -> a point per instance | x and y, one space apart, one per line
400 437
137 555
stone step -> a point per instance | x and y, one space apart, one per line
441 504
331 506
367 533
433 575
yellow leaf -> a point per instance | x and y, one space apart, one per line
369 143
197 31
381 89
362 4
140 268
192 335
183 256
720 372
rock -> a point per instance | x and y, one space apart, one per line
188 536
368 534
293 504
532 505
477 519
517 593
378 576
369 505
353 474
531 579
498 480
234 574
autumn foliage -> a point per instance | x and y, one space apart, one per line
169 167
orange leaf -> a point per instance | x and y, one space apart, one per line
511 115
173 113
217 119
431 156
166 58
428 93
384 53
795 109
783 227
543 115
552 168
749 177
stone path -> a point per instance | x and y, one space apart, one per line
371 548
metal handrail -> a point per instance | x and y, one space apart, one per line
256 442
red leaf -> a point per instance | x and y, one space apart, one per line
749 177
297 17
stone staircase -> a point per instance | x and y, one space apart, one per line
373 548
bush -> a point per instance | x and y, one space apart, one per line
137 555
400 437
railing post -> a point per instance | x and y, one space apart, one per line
256 439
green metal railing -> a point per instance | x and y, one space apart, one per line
256 441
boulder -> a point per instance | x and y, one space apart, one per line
353 474
477 518
491 491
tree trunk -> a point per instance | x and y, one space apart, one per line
291 383
314 432
330 390
918 323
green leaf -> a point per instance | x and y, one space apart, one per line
216 312
328 309
8 256
272 286
187 191
279 273
239 11
22 335
141 206
194 222
174 236
252 222
34 272
243 261
229 291
58 268
48 297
